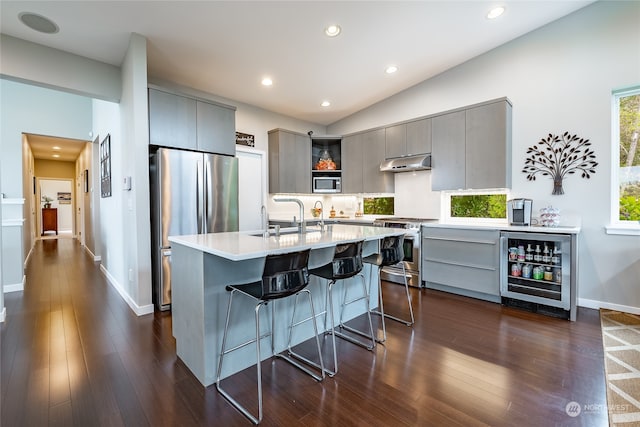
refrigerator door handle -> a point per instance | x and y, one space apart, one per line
208 211
199 192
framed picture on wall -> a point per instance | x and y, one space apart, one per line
105 167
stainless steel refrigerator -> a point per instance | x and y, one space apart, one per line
191 193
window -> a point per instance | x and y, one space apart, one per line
485 206
626 158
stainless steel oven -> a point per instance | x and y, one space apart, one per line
412 250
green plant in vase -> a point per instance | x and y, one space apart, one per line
47 201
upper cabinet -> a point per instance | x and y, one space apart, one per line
408 139
289 162
181 122
172 120
488 146
448 154
472 148
352 164
362 154
373 146
216 129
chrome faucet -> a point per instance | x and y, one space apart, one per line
321 213
302 227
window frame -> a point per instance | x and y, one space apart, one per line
616 225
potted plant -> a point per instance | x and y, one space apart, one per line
47 201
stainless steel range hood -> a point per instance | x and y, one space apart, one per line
407 164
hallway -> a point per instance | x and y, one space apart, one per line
74 354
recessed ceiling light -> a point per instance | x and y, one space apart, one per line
495 12
391 69
55 147
267 81
332 30
56 155
325 103
38 23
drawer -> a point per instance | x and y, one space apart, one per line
484 280
475 252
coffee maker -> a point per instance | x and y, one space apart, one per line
519 211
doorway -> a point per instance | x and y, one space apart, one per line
55 216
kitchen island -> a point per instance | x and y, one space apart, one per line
203 265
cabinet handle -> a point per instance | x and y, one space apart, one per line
482 242
460 264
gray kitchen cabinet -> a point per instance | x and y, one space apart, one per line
216 128
352 164
373 147
395 141
362 154
172 120
181 122
472 147
408 139
448 151
289 162
462 261
488 146
419 137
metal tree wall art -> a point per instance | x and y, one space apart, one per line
558 156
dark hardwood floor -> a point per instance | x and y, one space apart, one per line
74 354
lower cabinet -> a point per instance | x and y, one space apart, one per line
463 261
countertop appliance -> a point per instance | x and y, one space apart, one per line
191 193
412 249
519 211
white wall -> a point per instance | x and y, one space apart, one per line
51 188
31 109
559 78
33 63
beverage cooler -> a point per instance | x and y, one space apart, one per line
538 272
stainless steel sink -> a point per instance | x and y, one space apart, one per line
288 230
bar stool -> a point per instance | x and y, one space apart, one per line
283 275
391 253
347 262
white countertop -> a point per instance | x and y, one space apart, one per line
237 246
507 227
366 219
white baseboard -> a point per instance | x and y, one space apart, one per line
26 260
137 309
95 258
3 314
15 287
589 303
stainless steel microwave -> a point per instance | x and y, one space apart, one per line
327 184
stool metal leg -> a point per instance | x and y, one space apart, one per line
224 351
298 356
381 303
371 336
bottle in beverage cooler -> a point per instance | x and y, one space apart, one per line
538 272
526 271
537 257
521 254
546 258
555 257
548 274
528 256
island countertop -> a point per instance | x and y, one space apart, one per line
239 245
